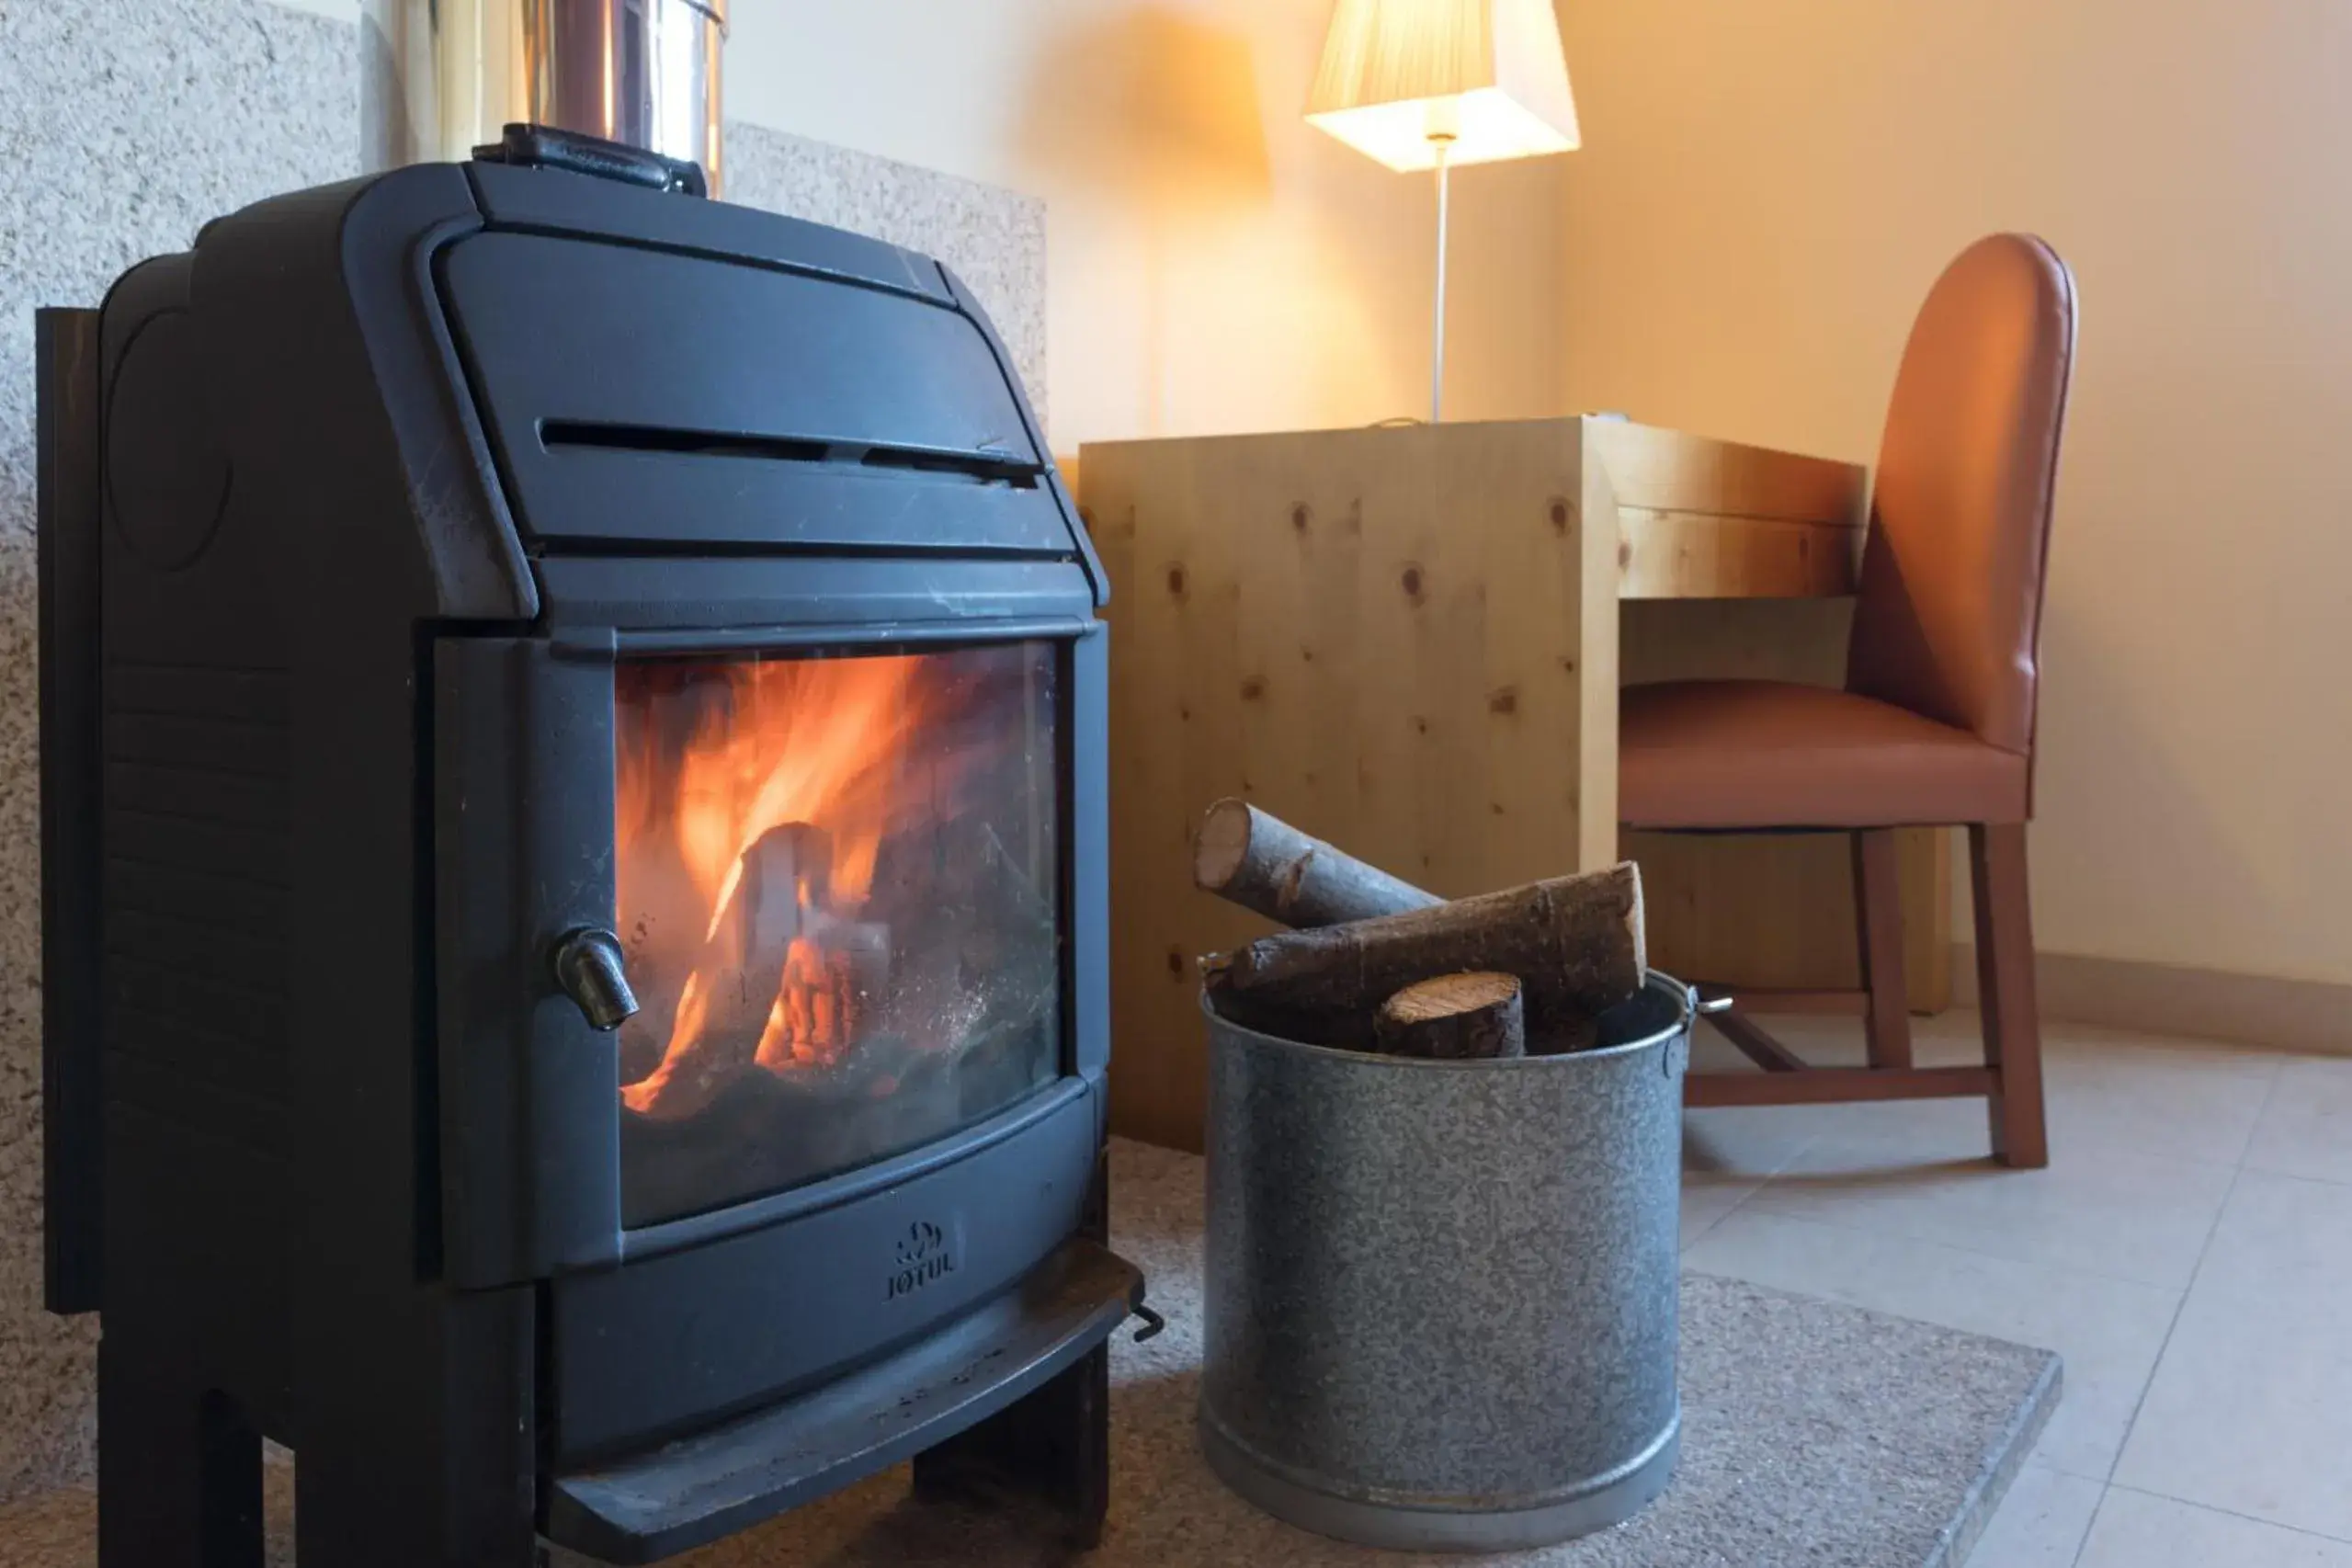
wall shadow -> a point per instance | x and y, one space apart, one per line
1149 98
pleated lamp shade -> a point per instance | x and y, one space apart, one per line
1486 78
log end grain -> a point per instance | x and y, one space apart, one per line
1222 847
1455 1017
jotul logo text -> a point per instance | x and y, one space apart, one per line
924 1254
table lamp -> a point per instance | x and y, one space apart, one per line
1430 84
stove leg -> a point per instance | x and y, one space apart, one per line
415 1443
179 1469
414 1515
1052 1447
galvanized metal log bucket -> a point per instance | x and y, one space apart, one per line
1441 1308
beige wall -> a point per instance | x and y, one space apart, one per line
1765 193
1215 264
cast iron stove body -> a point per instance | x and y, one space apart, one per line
480 601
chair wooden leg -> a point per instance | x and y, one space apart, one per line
1996 853
1878 917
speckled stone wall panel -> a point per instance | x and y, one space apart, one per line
123 126
993 238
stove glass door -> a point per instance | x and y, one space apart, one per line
839 883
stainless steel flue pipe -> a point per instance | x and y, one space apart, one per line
444 77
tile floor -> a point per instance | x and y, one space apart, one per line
2189 1252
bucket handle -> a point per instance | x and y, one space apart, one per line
1701 1007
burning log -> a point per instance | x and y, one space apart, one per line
1454 1016
827 993
1264 864
761 962
1575 943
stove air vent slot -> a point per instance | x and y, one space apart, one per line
982 466
636 398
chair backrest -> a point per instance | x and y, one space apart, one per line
1948 621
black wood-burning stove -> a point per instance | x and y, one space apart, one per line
574 877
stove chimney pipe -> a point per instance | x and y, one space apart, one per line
444 77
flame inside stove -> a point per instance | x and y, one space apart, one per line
753 801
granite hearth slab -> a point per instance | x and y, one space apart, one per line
1815 1435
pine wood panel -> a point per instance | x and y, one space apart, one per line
1675 470
1707 555
1777 914
1392 637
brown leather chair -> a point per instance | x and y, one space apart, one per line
1936 723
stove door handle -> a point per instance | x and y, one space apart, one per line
588 969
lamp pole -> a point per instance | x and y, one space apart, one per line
1442 146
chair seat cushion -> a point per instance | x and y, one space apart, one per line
1759 754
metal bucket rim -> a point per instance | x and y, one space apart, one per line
1686 1001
